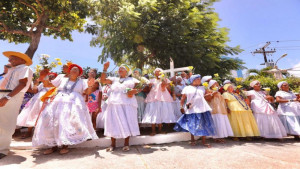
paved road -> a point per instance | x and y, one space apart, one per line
242 154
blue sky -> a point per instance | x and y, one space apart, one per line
251 24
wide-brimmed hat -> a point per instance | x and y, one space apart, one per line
19 55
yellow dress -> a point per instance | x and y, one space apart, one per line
241 118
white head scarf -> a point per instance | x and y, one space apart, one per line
157 69
253 83
211 83
281 83
205 79
226 82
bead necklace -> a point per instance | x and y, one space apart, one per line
123 80
238 99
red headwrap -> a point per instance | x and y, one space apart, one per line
75 65
52 73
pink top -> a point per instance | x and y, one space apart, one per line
93 101
156 93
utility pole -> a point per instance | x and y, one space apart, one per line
264 52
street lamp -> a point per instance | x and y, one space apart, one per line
284 55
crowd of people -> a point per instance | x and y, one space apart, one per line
66 109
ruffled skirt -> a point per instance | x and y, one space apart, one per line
270 125
291 124
64 121
159 112
198 124
30 113
222 125
243 124
121 121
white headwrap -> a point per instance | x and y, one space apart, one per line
205 79
211 83
226 82
281 83
178 77
157 69
253 83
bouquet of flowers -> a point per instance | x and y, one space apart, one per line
44 62
267 90
162 76
205 84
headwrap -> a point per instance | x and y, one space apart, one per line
205 79
178 77
211 83
75 65
139 70
52 73
157 69
226 82
253 83
194 77
226 86
281 83
127 68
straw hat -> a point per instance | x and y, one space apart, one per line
19 55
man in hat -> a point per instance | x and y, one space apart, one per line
12 89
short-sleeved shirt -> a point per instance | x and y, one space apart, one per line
195 96
14 74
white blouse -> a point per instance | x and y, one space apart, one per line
195 96
118 93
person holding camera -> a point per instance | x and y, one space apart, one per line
196 117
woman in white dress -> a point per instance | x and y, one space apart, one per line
121 112
267 119
219 112
288 109
31 111
66 120
160 107
196 118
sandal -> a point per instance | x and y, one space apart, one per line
192 143
49 151
110 149
64 151
126 148
207 145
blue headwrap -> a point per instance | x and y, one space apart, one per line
139 70
194 77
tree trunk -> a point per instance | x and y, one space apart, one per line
34 44
36 36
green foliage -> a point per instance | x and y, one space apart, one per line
151 31
24 21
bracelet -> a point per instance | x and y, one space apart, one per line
104 71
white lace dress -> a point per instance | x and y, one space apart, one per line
120 116
289 113
66 120
30 113
266 117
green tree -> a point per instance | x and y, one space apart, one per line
24 21
151 31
